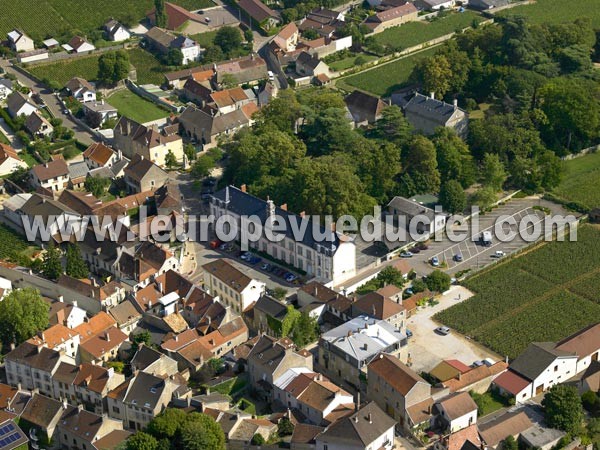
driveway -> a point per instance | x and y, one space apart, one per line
51 102
6 131
427 348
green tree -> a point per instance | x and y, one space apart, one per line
434 74
390 275
201 432
285 427
190 152
171 160
455 161
418 286
23 313
421 164
305 330
174 57
228 38
393 126
279 293
160 14
563 409
76 266
143 337
51 263
492 172
484 197
213 53
509 443
121 68
167 423
97 185
438 281
228 81
248 35
452 197
106 67
141 441
203 166
257 439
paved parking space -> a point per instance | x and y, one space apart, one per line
427 348
474 254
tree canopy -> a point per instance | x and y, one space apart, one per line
563 408
23 313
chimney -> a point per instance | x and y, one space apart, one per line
176 338
61 299
243 188
107 337
284 206
74 303
432 95
370 418
455 103
110 372
12 345
19 386
160 287
357 406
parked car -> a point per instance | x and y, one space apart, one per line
408 333
415 250
246 256
442 330
499 254
435 261
266 266
253 260
477 363
458 257
291 278
215 244
409 291
406 255
422 246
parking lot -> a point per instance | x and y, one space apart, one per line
428 348
474 255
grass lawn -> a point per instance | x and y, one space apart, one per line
350 61
387 78
414 33
205 39
544 295
557 11
135 107
4 139
43 18
581 182
149 69
29 160
488 403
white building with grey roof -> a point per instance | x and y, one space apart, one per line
345 351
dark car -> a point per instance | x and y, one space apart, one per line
415 250
458 257
408 333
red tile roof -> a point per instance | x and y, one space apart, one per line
511 382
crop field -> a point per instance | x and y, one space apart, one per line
135 107
414 33
544 295
44 18
13 246
556 11
149 69
387 78
581 182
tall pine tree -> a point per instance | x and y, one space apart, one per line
160 15
76 266
52 265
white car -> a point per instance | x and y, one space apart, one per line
499 254
271 75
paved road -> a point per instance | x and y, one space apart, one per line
51 102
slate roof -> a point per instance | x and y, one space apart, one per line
361 428
76 83
271 307
145 390
41 358
410 208
35 121
364 106
243 203
16 100
536 358
431 108
78 170
41 411
160 36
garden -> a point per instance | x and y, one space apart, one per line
135 107
14 248
556 11
535 297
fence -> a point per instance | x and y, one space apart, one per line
585 151
398 55
150 96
